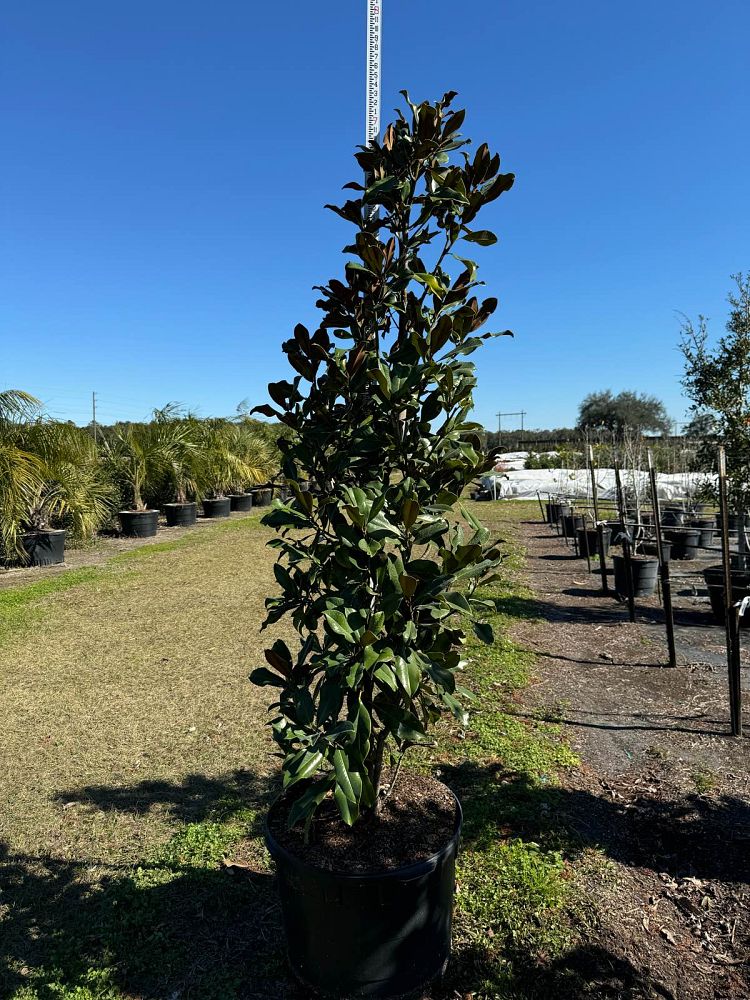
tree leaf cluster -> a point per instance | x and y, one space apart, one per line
376 572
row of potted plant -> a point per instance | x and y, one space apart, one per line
57 481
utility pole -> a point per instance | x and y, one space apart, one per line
93 415
515 413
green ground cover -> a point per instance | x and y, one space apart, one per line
136 770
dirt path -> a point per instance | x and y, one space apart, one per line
663 791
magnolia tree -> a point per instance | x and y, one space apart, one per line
376 570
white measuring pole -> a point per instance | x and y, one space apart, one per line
374 32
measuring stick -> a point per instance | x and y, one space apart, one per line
372 97
372 85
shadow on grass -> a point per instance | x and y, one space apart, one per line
183 925
706 837
188 802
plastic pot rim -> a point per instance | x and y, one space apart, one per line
404 873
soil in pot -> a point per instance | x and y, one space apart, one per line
714 577
367 910
685 542
45 548
180 515
217 508
590 536
139 523
645 571
241 501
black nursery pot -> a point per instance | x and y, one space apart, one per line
261 498
180 515
617 531
673 517
552 512
241 501
45 548
383 934
714 577
571 523
644 576
139 523
590 537
652 549
706 526
217 508
736 522
685 542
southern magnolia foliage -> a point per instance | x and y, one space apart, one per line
375 571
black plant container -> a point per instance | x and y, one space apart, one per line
217 508
384 934
673 517
590 537
45 548
241 501
180 515
707 528
571 523
685 542
714 577
652 549
139 523
261 498
617 532
552 512
644 576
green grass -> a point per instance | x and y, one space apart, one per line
513 877
22 607
137 713
705 781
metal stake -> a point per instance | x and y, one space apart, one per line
731 617
600 531
627 555
666 583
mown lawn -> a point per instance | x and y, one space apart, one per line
135 768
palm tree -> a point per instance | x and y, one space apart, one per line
76 490
138 457
183 456
21 473
259 457
221 466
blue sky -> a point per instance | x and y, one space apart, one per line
165 164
